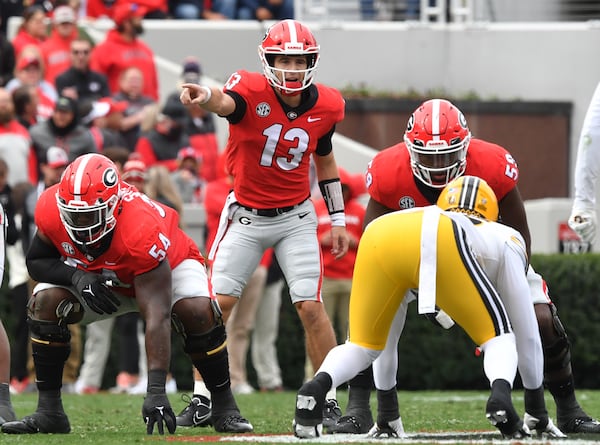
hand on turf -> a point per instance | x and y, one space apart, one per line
93 289
157 410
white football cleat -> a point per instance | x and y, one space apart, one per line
550 429
389 429
307 431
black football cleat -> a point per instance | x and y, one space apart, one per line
232 423
39 422
197 413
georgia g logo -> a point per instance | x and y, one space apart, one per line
462 120
411 123
110 177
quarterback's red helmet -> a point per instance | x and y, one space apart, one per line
87 196
437 138
292 38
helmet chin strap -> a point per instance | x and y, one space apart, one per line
294 85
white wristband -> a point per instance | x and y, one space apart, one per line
208 94
338 219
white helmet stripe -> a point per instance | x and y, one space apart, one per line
435 119
79 175
292 27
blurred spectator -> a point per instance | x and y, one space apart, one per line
122 49
119 155
79 81
64 130
15 143
186 9
134 173
8 9
200 123
160 145
159 186
32 30
265 9
56 48
25 100
30 71
52 168
104 118
203 9
141 113
7 60
186 178
154 9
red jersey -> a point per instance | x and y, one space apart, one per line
390 180
56 51
115 55
145 229
23 39
355 216
215 194
269 148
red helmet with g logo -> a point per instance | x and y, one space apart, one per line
437 138
87 197
292 38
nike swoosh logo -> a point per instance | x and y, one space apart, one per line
302 215
312 119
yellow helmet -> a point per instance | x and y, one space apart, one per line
470 195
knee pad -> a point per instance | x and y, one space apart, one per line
304 288
49 331
208 343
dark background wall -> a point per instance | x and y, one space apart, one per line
536 133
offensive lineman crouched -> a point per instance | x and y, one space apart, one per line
103 249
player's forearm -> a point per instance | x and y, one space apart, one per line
44 264
158 344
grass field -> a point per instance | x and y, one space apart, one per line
448 417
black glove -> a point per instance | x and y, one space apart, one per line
93 289
156 410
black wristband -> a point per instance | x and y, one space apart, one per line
156 381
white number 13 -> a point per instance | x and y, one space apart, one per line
273 134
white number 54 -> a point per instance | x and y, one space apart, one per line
158 252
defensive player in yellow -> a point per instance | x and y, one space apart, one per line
432 251
500 250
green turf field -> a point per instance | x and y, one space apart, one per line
447 417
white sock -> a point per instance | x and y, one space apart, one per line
200 389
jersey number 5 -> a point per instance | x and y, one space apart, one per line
160 253
511 169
